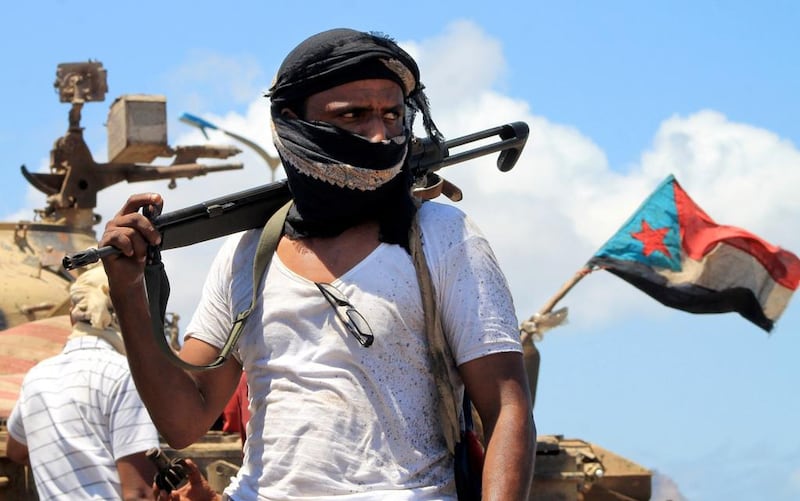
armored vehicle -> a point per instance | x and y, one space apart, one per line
34 302
34 298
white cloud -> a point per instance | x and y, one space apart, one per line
457 62
562 201
740 174
208 77
794 481
548 215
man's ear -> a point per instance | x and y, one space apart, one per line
288 113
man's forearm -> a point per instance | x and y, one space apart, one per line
510 456
170 394
16 451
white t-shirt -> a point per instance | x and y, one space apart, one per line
338 420
78 413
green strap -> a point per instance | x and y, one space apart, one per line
266 248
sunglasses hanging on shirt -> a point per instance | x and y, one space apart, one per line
353 321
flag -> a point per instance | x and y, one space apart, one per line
673 251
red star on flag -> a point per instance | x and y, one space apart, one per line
653 239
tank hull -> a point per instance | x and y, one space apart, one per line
34 284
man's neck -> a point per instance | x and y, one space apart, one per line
325 259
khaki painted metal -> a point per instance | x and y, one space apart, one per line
35 285
566 470
570 469
577 470
34 290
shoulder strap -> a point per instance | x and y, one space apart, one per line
439 352
266 248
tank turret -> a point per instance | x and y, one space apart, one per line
34 298
34 284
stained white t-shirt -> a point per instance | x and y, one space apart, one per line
338 420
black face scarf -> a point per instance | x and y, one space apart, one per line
330 193
339 179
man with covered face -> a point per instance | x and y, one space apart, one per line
342 393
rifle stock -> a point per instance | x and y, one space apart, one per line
251 208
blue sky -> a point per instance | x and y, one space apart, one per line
618 95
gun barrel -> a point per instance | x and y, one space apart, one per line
150 172
204 221
251 208
86 257
207 151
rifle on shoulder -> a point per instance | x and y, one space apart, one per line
251 208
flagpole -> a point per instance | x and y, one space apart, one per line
528 327
540 322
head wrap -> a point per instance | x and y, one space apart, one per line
92 313
339 179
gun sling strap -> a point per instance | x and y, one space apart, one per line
439 350
158 292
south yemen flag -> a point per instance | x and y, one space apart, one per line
672 250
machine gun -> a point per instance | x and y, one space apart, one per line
252 208
65 221
137 135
